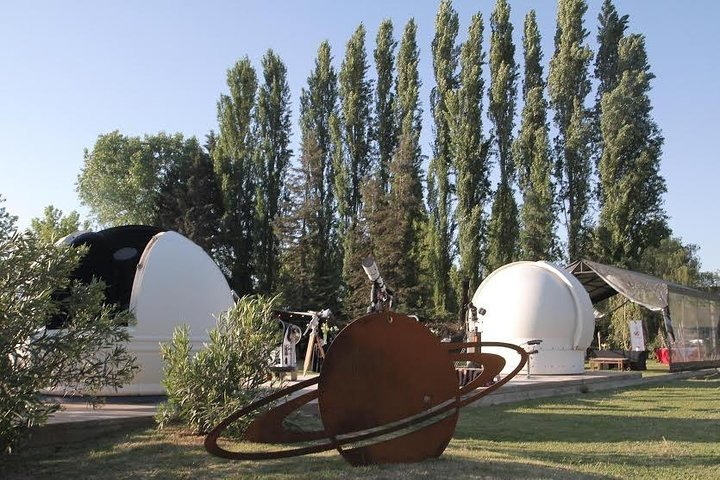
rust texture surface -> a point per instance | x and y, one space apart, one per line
388 392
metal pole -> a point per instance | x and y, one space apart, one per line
528 366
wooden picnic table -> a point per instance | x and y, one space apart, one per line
598 363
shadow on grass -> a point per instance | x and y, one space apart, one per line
163 455
549 438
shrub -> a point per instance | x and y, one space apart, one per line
86 355
205 387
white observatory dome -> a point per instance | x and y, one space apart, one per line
166 280
176 283
525 301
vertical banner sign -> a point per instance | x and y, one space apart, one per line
637 339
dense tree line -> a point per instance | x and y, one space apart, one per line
300 225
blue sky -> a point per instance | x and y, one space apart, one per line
73 70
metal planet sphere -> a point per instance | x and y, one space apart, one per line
388 392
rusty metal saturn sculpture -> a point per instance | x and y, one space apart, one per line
388 392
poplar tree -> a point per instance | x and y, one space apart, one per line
300 279
632 217
469 150
406 178
385 122
611 30
503 237
354 167
398 218
356 114
233 161
439 183
272 158
568 86
532 155
313 198
341 178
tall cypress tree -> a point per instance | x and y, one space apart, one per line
632 217
233 161
440 185
356 124
568 85
532 156
273 156
503 237
386 126
470 152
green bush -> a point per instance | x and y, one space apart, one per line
86 355
205 387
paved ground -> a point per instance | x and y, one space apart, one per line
78 420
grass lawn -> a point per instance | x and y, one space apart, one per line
665 431
655 368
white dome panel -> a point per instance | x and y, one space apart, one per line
176 283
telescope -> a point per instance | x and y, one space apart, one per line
371 270
380 294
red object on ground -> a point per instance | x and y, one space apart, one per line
663 355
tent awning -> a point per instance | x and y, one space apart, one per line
603 281
694 312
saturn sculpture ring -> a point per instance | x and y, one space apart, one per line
388 392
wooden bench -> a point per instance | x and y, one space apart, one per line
599 362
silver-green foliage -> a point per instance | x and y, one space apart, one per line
632 217
89 353
54 225
206 386
503 228
440 185
385 98
272 159
7 221
469 150
532 157
568 86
